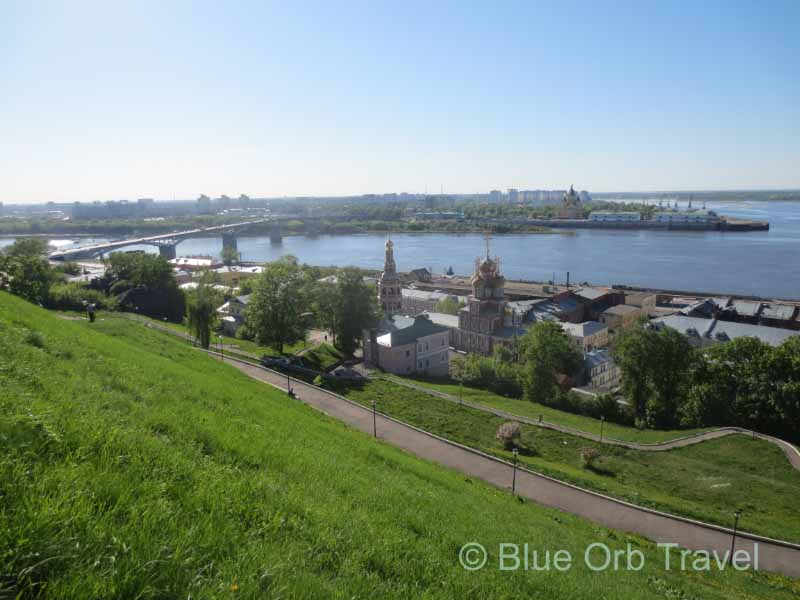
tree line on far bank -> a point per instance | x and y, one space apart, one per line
666 382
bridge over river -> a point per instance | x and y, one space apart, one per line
166 242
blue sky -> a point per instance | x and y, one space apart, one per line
104 100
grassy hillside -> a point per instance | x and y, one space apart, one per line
708 481
132 466
533 410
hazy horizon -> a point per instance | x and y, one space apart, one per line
168 100
380 194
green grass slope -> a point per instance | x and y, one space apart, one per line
708 481
533 410
132 466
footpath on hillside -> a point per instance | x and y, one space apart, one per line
773 555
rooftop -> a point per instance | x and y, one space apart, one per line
621 310
596 358
444 319
590 293
783 312
421 326
746 307
584 329
720 331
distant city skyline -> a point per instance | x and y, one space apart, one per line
160 100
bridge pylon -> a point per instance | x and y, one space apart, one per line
275 233
229 240
167 249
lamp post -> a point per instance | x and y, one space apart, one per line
221 350
288 384
602 422
514 473
374 420
461 392
736 516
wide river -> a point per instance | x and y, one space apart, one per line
762 263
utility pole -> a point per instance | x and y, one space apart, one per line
514 476
374 421
736 516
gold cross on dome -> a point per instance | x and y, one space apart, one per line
488 238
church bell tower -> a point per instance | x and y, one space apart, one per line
389 292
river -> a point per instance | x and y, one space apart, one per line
762 263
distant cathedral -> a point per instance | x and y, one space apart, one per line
570 205
389 293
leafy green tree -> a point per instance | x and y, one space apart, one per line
784 373
670 365
346 308
27 272
230 255
728 385
655 368
135 269
280 297
546 353
357 305
200 313
145 283
448 306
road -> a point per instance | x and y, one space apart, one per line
774 555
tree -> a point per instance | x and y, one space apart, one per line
146 284
784 370
546 352
200 313
230 255
509 434
28 273
346 308
632 352
728 385
448 306
280 296
357 306
655 369
669 375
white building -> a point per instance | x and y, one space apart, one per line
588 335
607 216
686 217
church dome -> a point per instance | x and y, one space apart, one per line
487 267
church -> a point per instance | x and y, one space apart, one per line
482 323
401 344
571 207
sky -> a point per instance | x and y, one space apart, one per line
111 100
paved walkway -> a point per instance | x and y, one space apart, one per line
792 453
774 555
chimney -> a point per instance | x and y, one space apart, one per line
567 279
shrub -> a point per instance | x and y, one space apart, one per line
34 338
509 434
589 456
71 296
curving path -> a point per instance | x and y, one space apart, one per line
773 555
791 452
